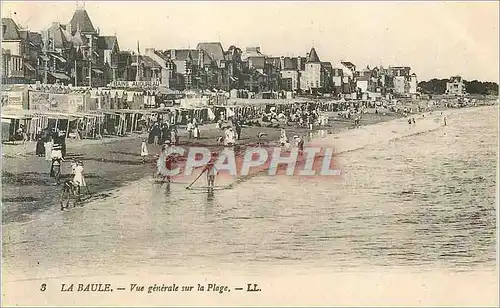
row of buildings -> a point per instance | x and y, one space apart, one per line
76 53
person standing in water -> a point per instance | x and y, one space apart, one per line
211 171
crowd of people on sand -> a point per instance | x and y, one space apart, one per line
231 133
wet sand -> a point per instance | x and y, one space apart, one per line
27 189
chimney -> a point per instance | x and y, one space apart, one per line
55 24
282 62
149 51
257 49
172 54
299 63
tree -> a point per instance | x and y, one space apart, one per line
438 86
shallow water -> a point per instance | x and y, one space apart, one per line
410 196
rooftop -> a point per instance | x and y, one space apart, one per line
11 30
81 20
213 49
312 57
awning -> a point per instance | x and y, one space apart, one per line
97 71
28 66
58 58
60 76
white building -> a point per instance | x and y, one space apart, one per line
312 78
165 63
413 84
362 83
455 86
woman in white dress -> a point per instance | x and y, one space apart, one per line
48 149
196 131
190 128
144 151
79 179
230 138
283 137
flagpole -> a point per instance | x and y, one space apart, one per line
137 70
76 73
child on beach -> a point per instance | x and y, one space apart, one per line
144 151
174 136
78 178
55 168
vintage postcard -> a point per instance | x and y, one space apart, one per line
249 153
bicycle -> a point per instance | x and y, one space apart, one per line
70 191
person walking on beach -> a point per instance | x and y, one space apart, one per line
173 135
230 140
310 121
237 126
47 143
196 130
155 131
283 137
40 149
189 129
57 159
23 134
79 179
299 143
144 151
444 121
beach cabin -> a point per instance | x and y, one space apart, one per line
11 123
15 96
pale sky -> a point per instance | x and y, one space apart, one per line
437 39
